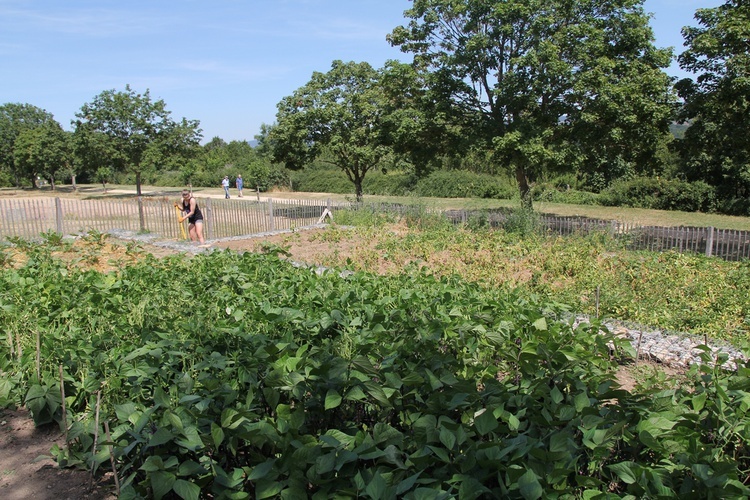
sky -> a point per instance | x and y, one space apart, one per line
225 63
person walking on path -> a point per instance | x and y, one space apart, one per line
225 183
239 184
193 214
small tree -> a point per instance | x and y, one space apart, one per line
139 131
103 175
335 117
43 151
16 118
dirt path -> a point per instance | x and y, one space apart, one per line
26 474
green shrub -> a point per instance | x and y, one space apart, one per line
388 184
552 193
316 179
463 184
660 194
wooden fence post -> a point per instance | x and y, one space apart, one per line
58 216
270 214
710 241
208 219
141 216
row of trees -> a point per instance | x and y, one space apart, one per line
530 88
536 87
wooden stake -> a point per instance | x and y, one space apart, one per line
598 288
96 433
638 349
112 458
64 410
38 355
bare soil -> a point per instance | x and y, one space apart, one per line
26 468
28 472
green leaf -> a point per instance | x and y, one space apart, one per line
161 483
190 439
699 401
540 324
624 470
377 486
529 486
333 399
161 398
513 422
217 434
260 471
152 464
448 438
161 436
267 488
186 490
485 422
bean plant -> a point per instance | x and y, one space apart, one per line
228 375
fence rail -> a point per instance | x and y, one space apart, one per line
28 218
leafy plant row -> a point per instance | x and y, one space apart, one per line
242 376
592 274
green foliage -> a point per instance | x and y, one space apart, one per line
661 194
337 113
132 133
43 151
440 184
16 119
262 379
716 103
463 184
319 179
511 70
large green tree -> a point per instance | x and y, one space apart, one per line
716 146
16 118
336 118
45 152
540 82
135 131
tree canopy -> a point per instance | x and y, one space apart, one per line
716 147
135 132
44 151
16 118
337 113
525 73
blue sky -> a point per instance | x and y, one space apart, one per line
226 63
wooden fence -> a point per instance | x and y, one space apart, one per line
28 218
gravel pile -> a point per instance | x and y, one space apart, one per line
673 349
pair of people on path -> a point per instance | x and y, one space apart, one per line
238 184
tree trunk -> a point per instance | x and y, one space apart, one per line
52 182
138 183
73 182
523 187
358 189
